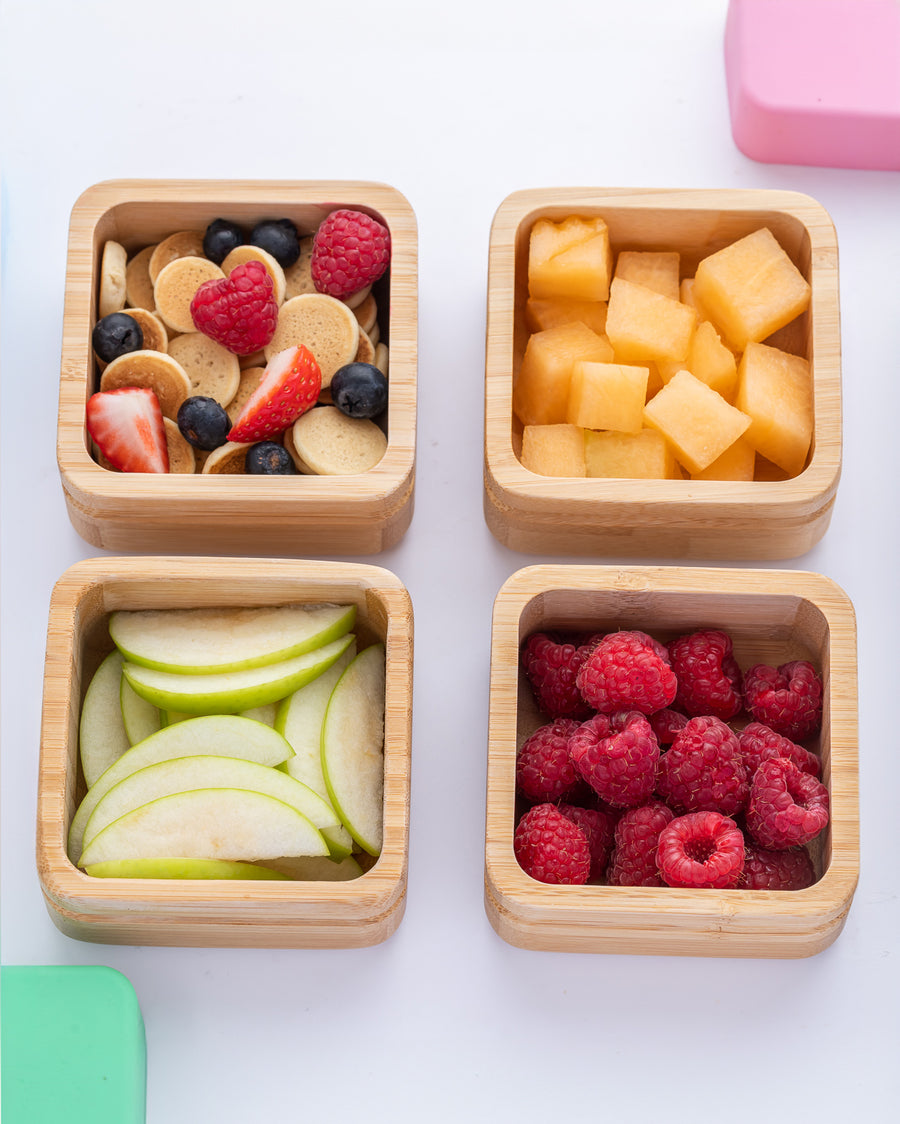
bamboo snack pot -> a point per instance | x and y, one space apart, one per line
772 617
217 913
624 518
229 513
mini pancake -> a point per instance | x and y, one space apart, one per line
240 255
250 378
213 370
375 334
254 359
333 444
321 323
112 279
175 288
381 358
154 370
227 460
181 244
138 286
181 451
156 338
298 277
365 353
366 313
354 300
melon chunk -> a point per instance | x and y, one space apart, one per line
553 450
738 462
541 390
642 324
570 259
709 360
630 456
698 422
608 396
545 313
654 269
750 289
775 389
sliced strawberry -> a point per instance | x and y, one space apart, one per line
128 429
290 385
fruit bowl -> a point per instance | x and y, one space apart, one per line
772 616
360 911
226 512
676 517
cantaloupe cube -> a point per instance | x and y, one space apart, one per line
775 390
608 396
686 291
630 456
750 289
541 390
642 324
767 471
543 314
654 269
709 360
698 423
570 259
553 450
654 382
738 462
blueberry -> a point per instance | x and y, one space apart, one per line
279 238
115 335
359 390
266 458
221 238
203 422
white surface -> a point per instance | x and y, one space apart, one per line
444 1022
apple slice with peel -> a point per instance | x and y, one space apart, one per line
208 771
207 823
101 732
228 692
306 868
225 735
353 748
206 641
141 718
184 868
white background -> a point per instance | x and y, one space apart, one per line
456 107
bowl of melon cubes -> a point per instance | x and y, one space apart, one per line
225 752
662 373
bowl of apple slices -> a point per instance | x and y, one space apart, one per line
225 752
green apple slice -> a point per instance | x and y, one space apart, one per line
353 748
207 823
101 732
306 868
228 692
225 735
205 641
264 714
141 718
208 771
184 868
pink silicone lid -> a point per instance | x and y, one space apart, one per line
815 81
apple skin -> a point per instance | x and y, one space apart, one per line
141 718
184 868
231 691
207 641
102 738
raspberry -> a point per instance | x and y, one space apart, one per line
788 699
776 870
350 250
633 861
759 743
702 850
704 770
625 672
544 771
787 807
239 311
550 666
709 679
617 760
551 848
666 723
599 829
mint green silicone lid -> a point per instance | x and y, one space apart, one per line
72 1046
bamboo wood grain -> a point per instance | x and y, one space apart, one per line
350 914
227 514
665 518
773 616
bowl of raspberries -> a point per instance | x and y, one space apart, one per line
239 366
672 761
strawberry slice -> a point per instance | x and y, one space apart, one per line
128 429
290 385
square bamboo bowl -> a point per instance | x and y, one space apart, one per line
662 518
264 914
772 616
234 514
